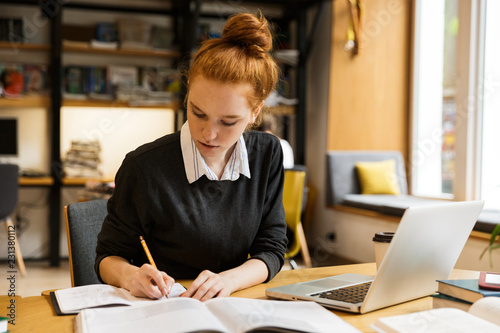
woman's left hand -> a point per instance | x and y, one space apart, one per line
209 285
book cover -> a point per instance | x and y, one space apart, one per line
465 289
134 33
444 301
123 75
97 80
106 32
73 79
35 79
12 79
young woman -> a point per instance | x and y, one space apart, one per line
207 199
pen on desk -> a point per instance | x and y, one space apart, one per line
148 254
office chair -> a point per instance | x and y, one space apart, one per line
83 224
293 191
9 188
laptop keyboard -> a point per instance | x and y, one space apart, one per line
351 294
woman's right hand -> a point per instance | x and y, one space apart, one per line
149 282
144 281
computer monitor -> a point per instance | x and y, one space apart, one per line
8 137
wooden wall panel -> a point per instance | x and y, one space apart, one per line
369 92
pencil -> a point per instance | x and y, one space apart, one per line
148 254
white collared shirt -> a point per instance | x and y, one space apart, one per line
195 165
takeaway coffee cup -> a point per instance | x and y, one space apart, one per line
381 242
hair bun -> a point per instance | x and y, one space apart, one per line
250 31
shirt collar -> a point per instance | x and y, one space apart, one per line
195 166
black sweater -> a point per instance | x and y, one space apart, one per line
214 225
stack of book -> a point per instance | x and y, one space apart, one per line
459 293
96 189
82 160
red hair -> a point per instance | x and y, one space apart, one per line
240 56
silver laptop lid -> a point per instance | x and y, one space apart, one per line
425 248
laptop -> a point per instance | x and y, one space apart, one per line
424 249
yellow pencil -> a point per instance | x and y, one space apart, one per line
148 254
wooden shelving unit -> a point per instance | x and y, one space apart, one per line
186 15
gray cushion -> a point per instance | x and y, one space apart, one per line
487 220
342 177
385 203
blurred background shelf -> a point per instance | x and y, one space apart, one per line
36 181
118 52
74 181
26 101
24 46
114 104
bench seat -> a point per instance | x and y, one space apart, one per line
343 188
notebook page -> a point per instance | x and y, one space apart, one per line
173 315
242 314
78 298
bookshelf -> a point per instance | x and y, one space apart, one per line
186 15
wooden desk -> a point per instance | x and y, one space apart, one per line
36 314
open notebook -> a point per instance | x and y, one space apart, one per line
424 249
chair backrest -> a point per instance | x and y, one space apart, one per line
9 179
83 224
293 191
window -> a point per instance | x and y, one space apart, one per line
435 89
456 100
490 89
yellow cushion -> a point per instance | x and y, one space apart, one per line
378 177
